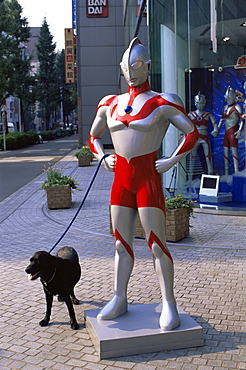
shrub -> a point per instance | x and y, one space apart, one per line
16 140
47 135
179 201
85 150
55 178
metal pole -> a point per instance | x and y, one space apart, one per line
4 117
62 118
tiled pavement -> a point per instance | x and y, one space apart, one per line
210 285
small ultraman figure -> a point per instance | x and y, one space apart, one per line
201 119
231 115
138 121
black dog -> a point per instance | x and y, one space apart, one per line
58 274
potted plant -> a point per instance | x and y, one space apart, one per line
58 188
178 213
84 156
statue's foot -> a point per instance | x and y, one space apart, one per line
114 308
169 318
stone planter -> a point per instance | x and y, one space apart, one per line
177 225
84 160
59 196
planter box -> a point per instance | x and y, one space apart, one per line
84 160
59 196
177 225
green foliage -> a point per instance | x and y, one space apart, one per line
47 135
85 150
16 140
55 178
14 31
179 201
48 84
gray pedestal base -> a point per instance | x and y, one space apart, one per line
137 331
220 198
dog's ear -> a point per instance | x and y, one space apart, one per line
41 256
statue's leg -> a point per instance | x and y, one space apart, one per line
234 151
226 160
123 221
153 221
208 155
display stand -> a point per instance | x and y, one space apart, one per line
209 190
137 331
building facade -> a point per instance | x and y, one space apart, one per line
103 31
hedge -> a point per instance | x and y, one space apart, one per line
16 140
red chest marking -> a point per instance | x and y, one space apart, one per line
201 120
149 106
227 112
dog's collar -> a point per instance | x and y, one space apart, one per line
45 283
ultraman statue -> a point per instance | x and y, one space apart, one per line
231 116
201 119
137 121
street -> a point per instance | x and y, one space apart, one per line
18 167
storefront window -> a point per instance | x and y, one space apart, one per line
198 49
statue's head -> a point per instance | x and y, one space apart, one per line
230 95
200 100
135 63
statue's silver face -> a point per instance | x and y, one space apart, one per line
230 96
200 101
135 65
199 106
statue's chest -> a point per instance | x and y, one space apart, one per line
142 111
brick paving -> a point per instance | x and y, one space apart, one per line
210 271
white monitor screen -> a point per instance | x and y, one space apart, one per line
209 185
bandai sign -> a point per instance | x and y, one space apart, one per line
96 8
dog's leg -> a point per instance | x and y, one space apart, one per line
49 301
73 298
73 322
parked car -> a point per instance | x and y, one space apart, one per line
11 127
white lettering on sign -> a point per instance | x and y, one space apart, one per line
97 8
97 2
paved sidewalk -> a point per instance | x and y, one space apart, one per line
210 284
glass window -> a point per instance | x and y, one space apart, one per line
199 48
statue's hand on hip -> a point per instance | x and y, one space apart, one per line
109 163
163 164
238 134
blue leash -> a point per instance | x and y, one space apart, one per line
82 202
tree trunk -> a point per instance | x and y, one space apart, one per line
22 114
47 120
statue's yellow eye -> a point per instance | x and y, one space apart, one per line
136 65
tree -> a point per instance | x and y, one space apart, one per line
25 82
6 54
15 66
14 31
48 86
